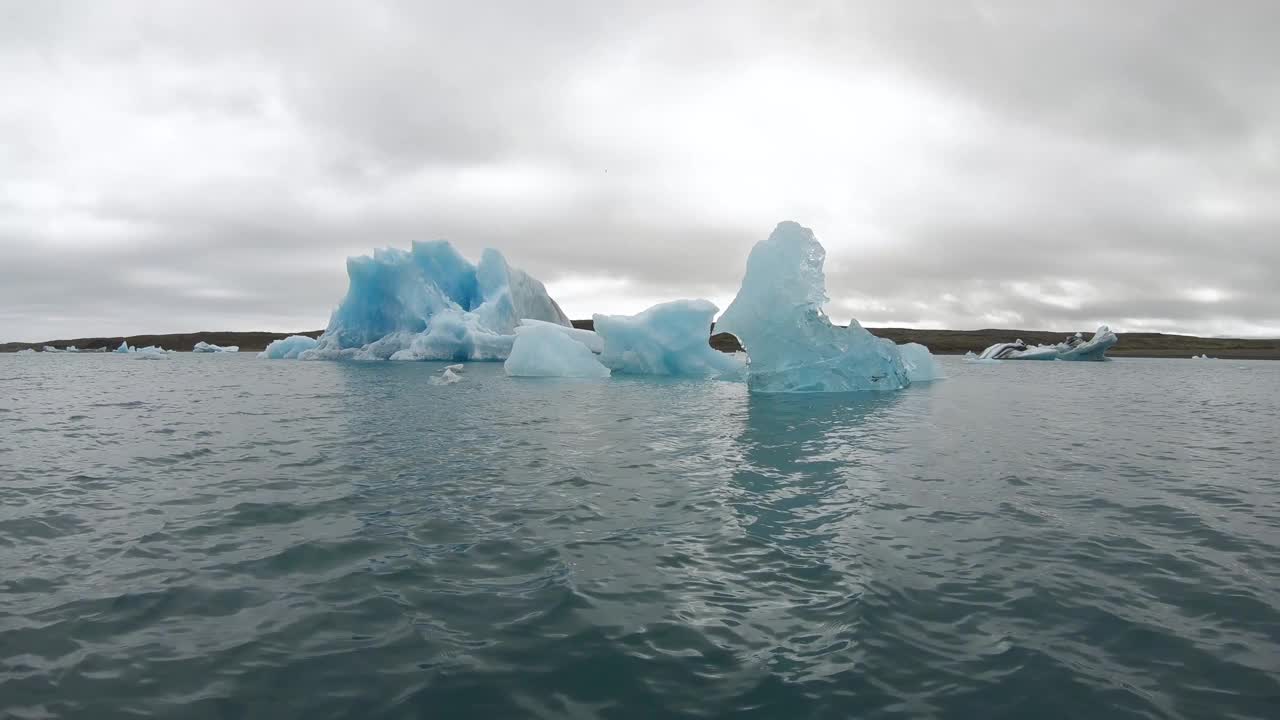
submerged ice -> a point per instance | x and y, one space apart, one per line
431 303
791 343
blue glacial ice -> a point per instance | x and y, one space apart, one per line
546 350
791 343
921 365
592 340
1073 348
124 347
431 303
288 348
670 338
204 347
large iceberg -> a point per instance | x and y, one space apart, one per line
204 347
545 350
124 347
431 303
791 343
288 348
1074 347
670 338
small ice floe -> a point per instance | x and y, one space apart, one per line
450 375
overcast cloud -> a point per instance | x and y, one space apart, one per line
179 166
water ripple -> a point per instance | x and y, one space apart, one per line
324 540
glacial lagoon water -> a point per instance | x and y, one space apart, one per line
221 537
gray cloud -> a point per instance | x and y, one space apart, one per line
195 165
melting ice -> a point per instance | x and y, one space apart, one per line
431 303
791 344
204 347
1073 348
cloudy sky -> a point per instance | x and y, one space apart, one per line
178 166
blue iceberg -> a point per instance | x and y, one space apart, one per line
921 365
592 340
288 348
670 338
545 350
791 344
431 303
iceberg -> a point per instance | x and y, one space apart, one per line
591 339
921 365
670 338
288 348
972 358
430 303
124 347
153 352
545 350
204 347
791 344
1074 347
1202 357
28 351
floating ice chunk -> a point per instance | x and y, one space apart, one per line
204 347
1202 357
791 343
670 338
432 304
455 368
152 352
288 348
544 351
1073 348
27 351
124 347
448 376
972 358
921 365
592 340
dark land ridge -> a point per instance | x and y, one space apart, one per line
940 342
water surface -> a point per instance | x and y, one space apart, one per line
220 537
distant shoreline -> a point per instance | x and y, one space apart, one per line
940 342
